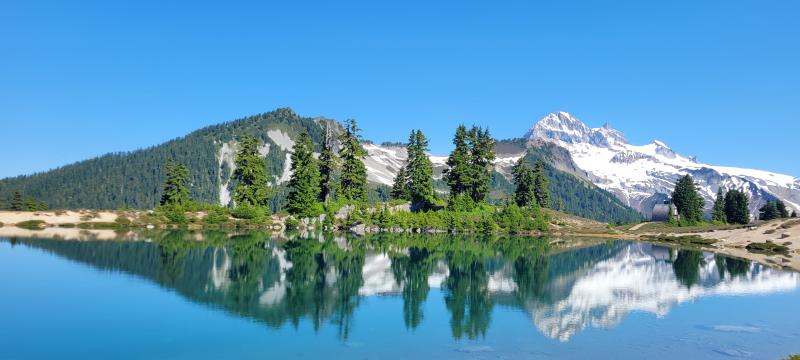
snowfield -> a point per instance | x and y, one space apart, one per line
641 175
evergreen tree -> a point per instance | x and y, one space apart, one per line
794 214
419 172
782 211
17 202
768 211
250 176
304 185
737 209
175 190
400 186
718 213
525 194
541 185
328 164
481 158
688 201
458 173
353 181
32 204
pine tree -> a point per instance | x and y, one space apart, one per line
175 190
525 194
768 211
419 172
17 202
328 165
687 201
353 181
32 204
794 213
481 158
737 207
718 213
251 179
304 185
400 185
782 211
458 173
541 185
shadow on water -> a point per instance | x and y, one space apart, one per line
322 279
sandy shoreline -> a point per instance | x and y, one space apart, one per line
59 217
783 231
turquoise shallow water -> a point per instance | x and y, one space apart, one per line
250 296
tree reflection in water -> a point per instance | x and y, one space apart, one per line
321 278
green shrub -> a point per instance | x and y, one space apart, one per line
216 215
768 247
291 223
174 214
461 203
66 225
32 224
123 221
254 214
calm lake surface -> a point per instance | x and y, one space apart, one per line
215 295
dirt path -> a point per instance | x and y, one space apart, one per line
638 226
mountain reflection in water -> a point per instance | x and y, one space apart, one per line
323 278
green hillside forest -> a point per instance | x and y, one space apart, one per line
134 179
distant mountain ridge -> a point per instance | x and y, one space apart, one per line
134 179
641 175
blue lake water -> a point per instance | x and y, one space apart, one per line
216 295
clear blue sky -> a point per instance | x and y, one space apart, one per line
716 79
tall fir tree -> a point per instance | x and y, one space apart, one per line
718 212
458 175
794 213
353 179
251 178
328 166
768 211
419 172
688 201
304 185
541 185
481 158
400 185
525 193
782 211
737 207
175 190
17 202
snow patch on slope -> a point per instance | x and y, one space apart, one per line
282 139
227 155
638 173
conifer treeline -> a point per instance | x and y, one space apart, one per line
774 209
137 179
731 207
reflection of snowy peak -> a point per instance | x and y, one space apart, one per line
641 278
641 175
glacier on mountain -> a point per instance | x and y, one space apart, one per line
642 175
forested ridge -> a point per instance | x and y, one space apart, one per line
135 179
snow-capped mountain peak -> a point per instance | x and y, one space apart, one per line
564 127
642 175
